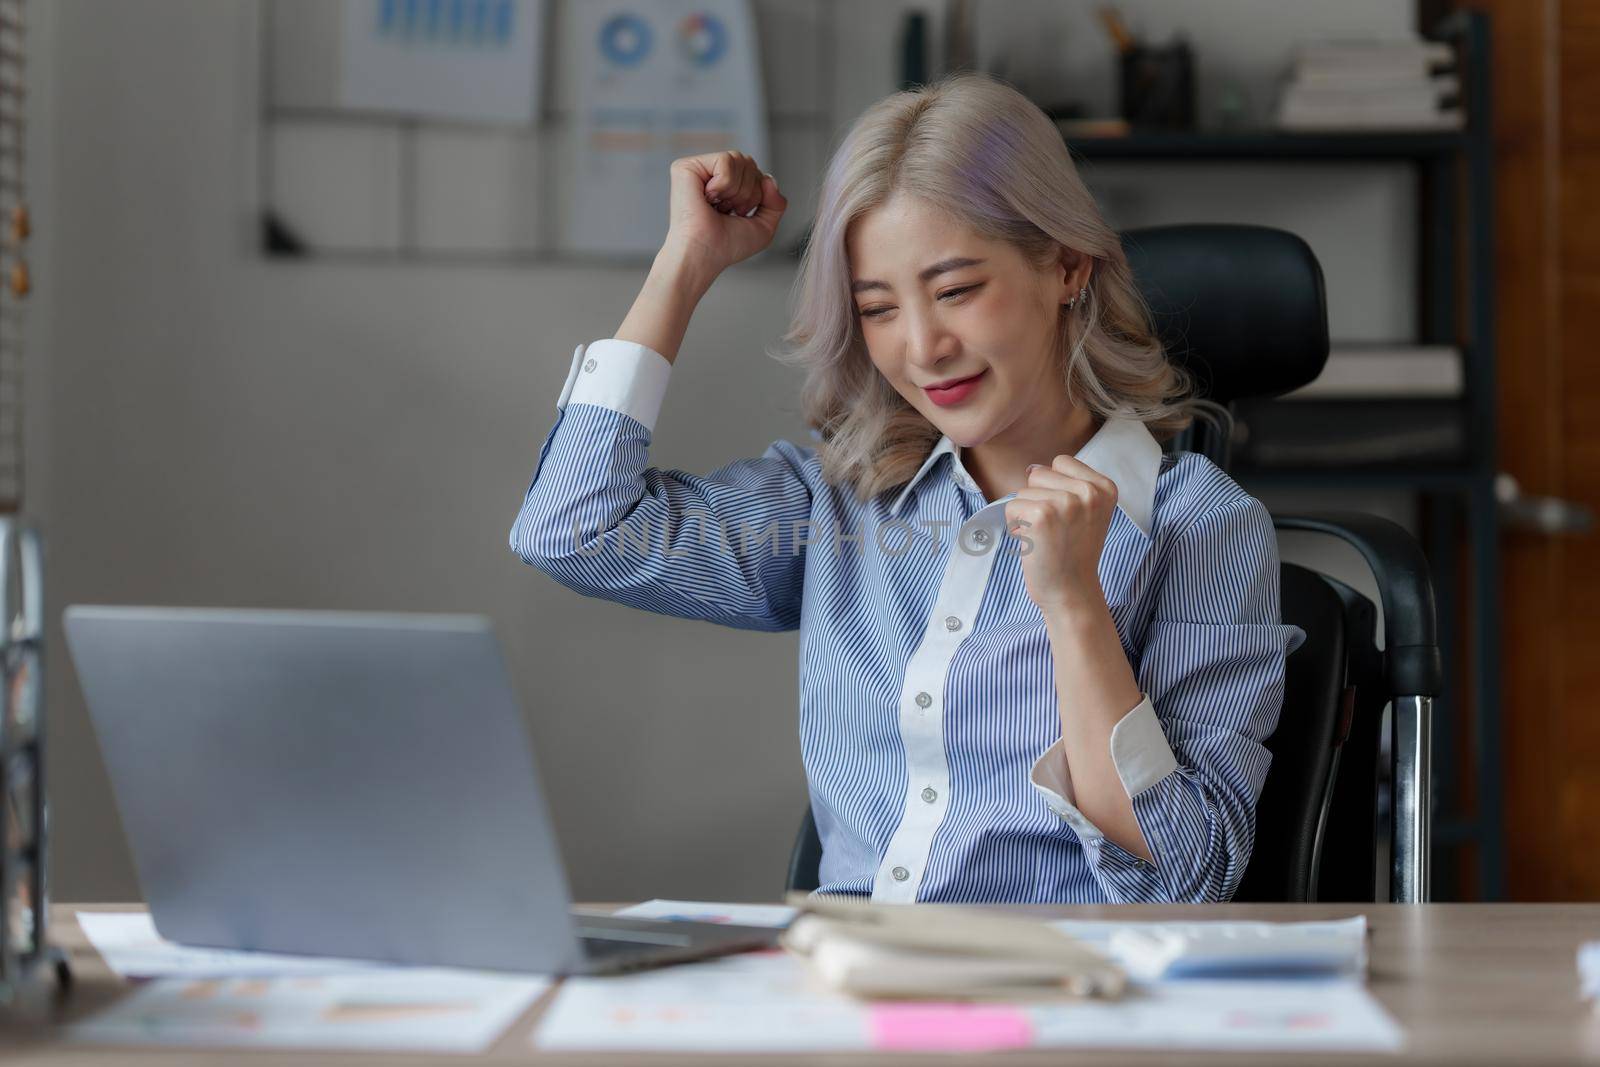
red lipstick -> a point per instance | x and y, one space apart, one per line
956 391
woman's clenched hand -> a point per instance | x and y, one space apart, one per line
724 209
1065 511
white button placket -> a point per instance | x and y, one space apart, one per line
922 693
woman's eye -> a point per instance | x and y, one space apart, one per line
879 312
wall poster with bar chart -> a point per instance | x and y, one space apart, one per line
465 60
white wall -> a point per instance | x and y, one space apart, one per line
221 429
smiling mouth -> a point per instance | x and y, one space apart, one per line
956 391
953 382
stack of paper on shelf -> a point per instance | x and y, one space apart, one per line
1377 85
1369 371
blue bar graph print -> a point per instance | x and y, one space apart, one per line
475 23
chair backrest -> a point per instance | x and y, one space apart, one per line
805 859
1348 838
1242 308
1295 800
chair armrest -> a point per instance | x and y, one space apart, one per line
1411 659
1412 671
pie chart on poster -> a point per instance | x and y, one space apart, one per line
703 39
625 40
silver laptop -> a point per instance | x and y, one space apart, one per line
343 785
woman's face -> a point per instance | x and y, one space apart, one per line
938 303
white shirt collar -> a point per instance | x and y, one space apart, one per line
1122 450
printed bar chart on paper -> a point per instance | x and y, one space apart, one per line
464 60
486 23
401 1008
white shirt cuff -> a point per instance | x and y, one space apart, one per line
621 375
1139 751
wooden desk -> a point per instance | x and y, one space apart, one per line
1470 983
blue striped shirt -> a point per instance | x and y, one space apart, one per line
929 719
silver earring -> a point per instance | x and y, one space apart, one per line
1083 294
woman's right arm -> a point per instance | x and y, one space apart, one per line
725 547
722 209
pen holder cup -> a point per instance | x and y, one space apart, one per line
1157 89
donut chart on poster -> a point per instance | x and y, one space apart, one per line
625 39
703 38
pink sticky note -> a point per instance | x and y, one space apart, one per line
949 1027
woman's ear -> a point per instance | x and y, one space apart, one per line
1072 273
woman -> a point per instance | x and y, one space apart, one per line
1038 657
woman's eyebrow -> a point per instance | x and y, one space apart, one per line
944 266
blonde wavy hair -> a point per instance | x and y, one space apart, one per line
980 150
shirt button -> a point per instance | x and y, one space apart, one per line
923 700
929 795
589 365
980 537
900 874
952 623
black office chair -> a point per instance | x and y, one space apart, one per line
1243 308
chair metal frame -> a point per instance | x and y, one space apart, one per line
1412 671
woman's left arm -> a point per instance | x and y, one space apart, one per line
1158 772
1095 690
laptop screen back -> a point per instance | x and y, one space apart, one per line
328 783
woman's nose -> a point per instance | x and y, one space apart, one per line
928 343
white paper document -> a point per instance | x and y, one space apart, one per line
1287 1016
132 948
755 1001
1217 949
769 1002
409 1008
709 912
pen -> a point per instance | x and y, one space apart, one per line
1114 26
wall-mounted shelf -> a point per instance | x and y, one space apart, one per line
1271 145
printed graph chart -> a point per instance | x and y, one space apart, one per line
462 60
477 23
399 1008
